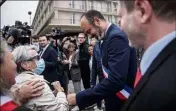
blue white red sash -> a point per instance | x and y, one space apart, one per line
7 104
124 93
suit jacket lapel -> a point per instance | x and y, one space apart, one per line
156 63
104 46
108 31
44 52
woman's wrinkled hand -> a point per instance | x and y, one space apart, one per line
31 89
57 86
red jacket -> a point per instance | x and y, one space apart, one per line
7 104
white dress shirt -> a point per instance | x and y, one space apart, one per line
154 50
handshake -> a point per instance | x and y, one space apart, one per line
71 99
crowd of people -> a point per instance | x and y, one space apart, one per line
53 62
35 76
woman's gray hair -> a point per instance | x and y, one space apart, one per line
20 55
4 89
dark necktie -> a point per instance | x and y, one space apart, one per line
41 51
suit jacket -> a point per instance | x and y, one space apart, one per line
156 90
117 60
50 57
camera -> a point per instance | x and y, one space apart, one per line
20 32
57 33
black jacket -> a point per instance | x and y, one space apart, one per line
83 51
50 57
156 91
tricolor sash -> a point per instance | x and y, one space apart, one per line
124 93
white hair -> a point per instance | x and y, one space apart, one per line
34 47
20 55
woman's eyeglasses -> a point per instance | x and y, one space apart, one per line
37 57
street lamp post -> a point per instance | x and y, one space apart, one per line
30 13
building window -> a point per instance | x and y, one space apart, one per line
90 5
114 19
72 18
44 14
71 4
109 18
97 5
44 2
50 6
115 6
109 7
104 6
39 22
82 5
48 9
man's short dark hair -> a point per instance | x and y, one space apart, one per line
44 36
89 15
35 37
163 9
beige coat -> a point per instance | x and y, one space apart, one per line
47 101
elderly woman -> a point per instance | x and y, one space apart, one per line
29 67
7 79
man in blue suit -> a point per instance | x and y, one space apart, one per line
118 61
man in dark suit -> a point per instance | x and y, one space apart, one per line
151 24
49 54
115 54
